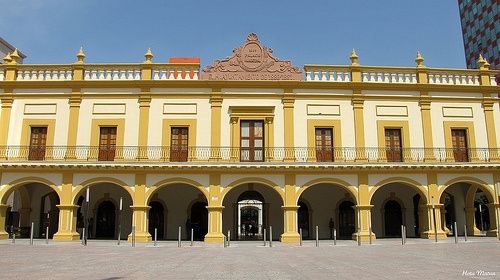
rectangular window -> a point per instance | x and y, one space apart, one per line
107 143
324 144
179 143
393 146
252 141
459 141
38 140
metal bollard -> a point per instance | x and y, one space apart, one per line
334 236
402 235
370 233
455 232
317 236
156 237
83 237
13 235
31 233
465 233
119 234
228 238
405 233
300 237
359 237
264 237
225 242
133 236
192 236
47 235
179 237
270 236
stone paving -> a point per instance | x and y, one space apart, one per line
385 259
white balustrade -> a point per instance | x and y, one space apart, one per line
2 75
112 74
453 79
493 81
385 76
169 73
329 75
44 75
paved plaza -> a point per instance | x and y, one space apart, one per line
384 259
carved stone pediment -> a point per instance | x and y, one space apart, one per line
252 61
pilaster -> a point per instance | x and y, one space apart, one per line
144 105
288 101
3 218
359 127
425 111
7 100
490 126
215 123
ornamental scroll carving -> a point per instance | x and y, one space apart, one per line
252 61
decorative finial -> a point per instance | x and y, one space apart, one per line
80 55
482 63
354 57
148 55
15 57
7 59
419 60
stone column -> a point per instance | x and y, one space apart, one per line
493 210
140 221
470 220
291 234
288 101
363 222
67 223
3 218
214 234
214 208
430 233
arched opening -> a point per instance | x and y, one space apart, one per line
105 220
481 214
156 219
186 206
32 203
399 204
393 218
346 219
303 219
102 211
467 205
49 214
249 209
199 220
328 209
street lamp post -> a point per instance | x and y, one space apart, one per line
85 218
434 218
120 220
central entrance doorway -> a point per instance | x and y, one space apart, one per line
250 207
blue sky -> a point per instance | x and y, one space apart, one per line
384 32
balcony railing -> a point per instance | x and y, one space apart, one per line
230 155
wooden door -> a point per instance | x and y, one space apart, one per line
459 140
393 217
346 220
107 143
324 144
38 140
393 144
252 141
179 144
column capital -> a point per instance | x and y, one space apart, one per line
140 207
215 208
67 206
363 207
290 207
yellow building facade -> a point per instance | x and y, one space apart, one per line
248 143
